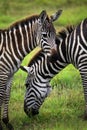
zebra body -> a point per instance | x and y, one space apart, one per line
72 48
15 43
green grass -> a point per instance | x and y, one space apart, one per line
60 111
63 108
73 11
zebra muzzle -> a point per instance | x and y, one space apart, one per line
34 112
30 112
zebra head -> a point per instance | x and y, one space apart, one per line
46 32
35 95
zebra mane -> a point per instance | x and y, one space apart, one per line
23 21
63 33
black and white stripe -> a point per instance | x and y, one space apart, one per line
72 48
15 43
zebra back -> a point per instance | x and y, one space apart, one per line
64 33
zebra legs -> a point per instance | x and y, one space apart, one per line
0 114
84 81
4 100
5 117
1 102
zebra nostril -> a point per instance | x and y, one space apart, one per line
34 112
30 112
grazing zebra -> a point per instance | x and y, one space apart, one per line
15 43
72 48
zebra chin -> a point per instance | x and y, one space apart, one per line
30 112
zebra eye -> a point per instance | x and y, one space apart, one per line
44 34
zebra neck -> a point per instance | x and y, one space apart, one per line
25 38
68 61
62 52
70 43
17 42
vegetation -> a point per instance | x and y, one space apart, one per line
63 108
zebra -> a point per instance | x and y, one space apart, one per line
15 43
72 49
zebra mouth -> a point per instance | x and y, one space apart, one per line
31 112
34 112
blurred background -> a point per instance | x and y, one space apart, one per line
12 10
62 108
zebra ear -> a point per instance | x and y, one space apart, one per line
56 15
43 16
25 68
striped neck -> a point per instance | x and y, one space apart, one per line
20 39
63 43
17 41
24 37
